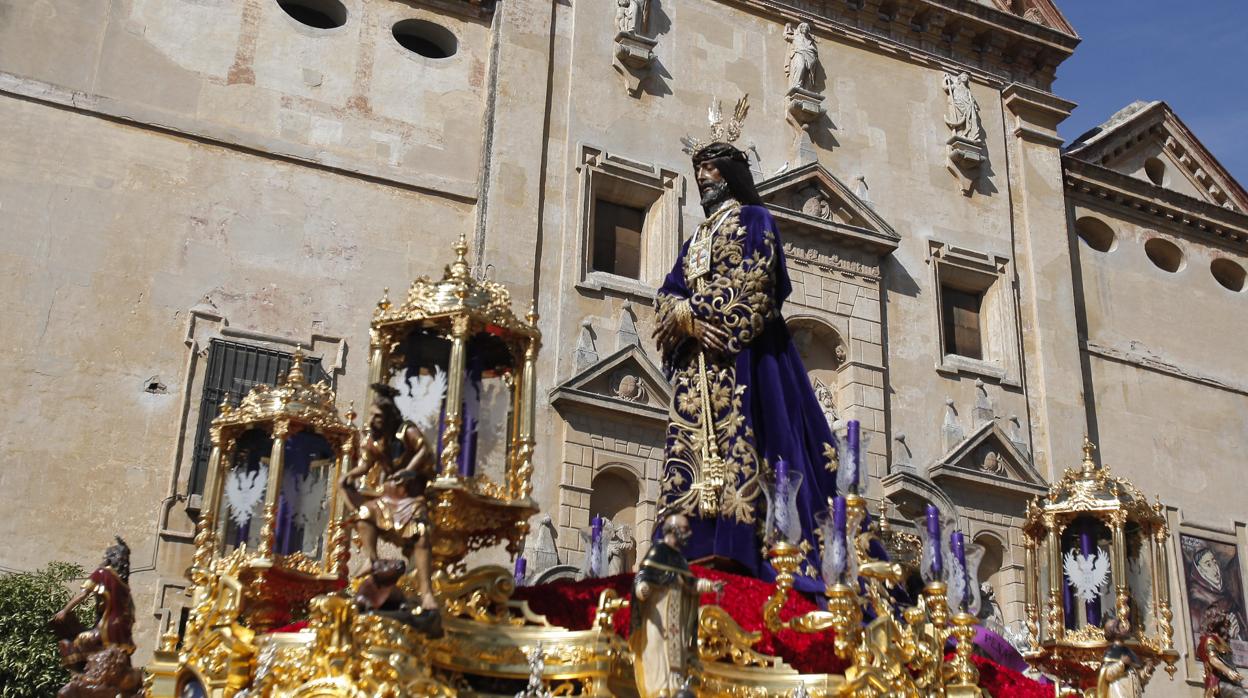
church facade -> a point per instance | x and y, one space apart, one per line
189 189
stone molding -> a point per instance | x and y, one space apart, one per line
586 388
1177 212
995 275
1020 478
1036 113
829 209
995 46
238 140
1157 122
659 191
633 59
1150 362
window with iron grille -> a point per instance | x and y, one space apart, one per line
233 370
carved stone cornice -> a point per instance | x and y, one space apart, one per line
1140 123
1036 113
1176 212
992 45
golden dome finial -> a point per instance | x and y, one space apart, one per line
460 269
351 414
384 304
296 367
1088 464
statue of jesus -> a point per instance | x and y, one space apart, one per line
741 398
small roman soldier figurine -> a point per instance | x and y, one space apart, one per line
399 514
99 657
1214 652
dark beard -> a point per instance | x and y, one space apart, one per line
713 195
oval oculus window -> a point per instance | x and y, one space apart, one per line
426 38
318 14
1164 254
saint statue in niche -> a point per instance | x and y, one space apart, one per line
963 116
630 16
799 68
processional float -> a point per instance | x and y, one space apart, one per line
273 613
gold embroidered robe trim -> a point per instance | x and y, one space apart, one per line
738 296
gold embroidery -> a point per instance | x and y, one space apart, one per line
715 471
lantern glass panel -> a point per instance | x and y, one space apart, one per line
1087 544
1140 578
421 379
488 400
244 489
302 505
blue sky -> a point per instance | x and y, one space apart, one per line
1192 54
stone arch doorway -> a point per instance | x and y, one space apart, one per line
823 354
991 577
615 495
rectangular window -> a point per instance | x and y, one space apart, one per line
616 246
961 317
234 369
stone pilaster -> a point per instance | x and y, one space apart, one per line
1046 299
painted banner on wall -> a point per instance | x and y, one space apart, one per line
1214 582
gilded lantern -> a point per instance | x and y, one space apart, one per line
1095 548
464 367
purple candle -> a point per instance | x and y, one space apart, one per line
853 432
521 568
1088 548
595 546
933 540
782 497
957 545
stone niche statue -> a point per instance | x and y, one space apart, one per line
630 16
99 657
620 547
799 68
664 634
963 116
966 150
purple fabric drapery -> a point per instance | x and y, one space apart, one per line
778 404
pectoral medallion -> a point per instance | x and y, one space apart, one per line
699 257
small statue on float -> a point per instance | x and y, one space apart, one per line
1214 652
664 636
99 657
399 514
1122 675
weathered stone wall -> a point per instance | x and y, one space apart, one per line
175 172
1167 380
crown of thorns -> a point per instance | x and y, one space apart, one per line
721 131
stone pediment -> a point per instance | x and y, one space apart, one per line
987 458
813 201
626 381
1148 141
1042 12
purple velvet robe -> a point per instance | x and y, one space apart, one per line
764 408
